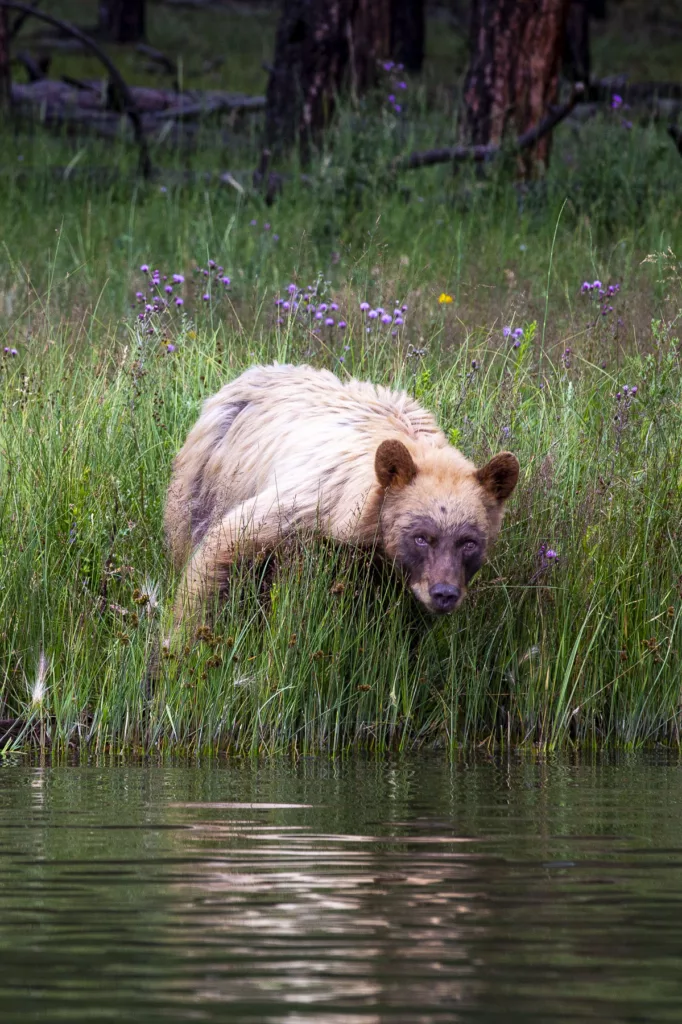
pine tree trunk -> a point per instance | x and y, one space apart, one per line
516 48
5 77
322 47
122 21
577 42
408 29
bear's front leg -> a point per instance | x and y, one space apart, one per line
252 527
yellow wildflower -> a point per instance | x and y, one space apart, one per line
443 297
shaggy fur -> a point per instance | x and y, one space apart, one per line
285 447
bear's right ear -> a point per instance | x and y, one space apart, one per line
393 464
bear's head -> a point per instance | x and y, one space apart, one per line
438 516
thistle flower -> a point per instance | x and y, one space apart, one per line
341 325
364 306
329 322
372 315
387 319
144 268
179 301
179 278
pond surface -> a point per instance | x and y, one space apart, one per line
412 891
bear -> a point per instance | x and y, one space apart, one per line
288 447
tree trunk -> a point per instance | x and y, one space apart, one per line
321 47
5 79
515 55
122 21
577 42
408 28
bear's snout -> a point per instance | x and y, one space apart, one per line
444 597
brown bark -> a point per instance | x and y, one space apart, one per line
408 29
516 48
5 78
122 21
322 47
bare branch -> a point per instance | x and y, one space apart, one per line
479 154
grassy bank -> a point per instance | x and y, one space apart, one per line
317 649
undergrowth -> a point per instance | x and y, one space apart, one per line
524 319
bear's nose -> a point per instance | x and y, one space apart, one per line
444 596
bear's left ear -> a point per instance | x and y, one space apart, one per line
499 476
393 464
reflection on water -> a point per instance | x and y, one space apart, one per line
414 891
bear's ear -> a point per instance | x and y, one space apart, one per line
393 464
499 476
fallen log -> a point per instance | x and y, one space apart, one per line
93 94
479 154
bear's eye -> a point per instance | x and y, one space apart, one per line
469 547
421 541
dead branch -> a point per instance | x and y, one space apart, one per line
116 77
479 154
36 69
157 57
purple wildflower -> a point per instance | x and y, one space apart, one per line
373 314
518 332
387 318
322 307
292 289
179 301
334 306
318 316
402 85
398 321
225 281
179 278
506 331
168 289
404 309
329 322
391 98
341 325
596 284
139 296
170 348
616 101
206 297
144 268
266 227
397 108
364 306
253 223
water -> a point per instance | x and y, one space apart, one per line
413 891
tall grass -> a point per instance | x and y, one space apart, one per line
318 647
